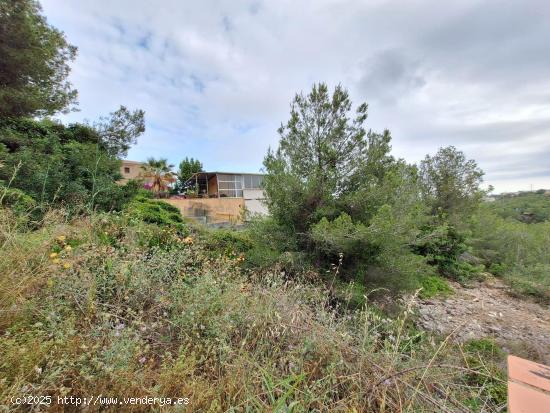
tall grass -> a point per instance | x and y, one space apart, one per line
110 305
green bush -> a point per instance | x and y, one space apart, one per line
17 200
434 286
484 357
155 212
230 243
442 245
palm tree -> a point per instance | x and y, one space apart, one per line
159 172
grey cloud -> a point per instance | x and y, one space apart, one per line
215 76
388 75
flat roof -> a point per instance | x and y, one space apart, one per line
132 162
229 173
208 175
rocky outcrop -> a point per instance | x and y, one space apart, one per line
486 309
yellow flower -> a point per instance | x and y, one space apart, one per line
61 238
67 265
56 260
68 248
53 255
188 240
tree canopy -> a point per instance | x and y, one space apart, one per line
335 186
34 65
159 171
120 130
450 182
186 169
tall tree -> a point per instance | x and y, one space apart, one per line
120 130
187 168
33 63
321 147
450 182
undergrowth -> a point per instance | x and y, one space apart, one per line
113 305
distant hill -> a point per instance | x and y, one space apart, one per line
526 206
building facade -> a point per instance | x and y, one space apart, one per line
222 197
131 170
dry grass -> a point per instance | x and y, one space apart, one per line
138 310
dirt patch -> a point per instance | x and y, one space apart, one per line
487 309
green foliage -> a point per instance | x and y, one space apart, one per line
53 163
173 318
484 356
433 286
273 244
320 147
341 236
336 187
186 169
517 251
443 245
120 130
34 65
528 207
17 200
159 172
156 212
450 183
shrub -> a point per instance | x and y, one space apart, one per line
442 245
229 243
17 200
484 356
155 212
433 286
175 319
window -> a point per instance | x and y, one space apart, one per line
126 170
230 186
252 181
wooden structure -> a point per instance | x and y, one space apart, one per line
224 184
528 386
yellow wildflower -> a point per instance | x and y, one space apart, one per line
61 238
53 255
67 265
68 248
188 240
56 260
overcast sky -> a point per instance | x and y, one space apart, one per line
216 78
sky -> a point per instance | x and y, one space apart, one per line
216 78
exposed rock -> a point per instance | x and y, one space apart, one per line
487 310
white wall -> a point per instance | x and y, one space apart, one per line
253 201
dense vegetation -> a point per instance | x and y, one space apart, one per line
112 305
104 289
528 207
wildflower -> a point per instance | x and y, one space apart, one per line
67 265
188 240
68 248
56 260
61 238
53 255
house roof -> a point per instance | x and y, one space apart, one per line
208 175
126 161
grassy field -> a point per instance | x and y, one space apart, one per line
114 306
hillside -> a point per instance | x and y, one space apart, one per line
529 207
114 306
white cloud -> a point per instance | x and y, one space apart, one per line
216 78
